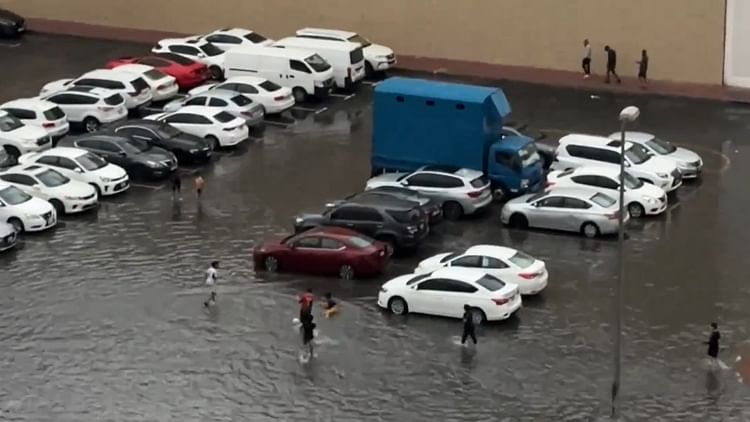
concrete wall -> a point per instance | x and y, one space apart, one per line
684 38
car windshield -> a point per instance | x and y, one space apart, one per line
223 117
154 74
52 179
449 257
269 86
360 39
317 63
603 200
539 195
134 146
490 283
211 50
661 146
241 100
360 242
255 37
528 155
55 113
522 260
417 278
139 84
637 154
14 196
631 182
114 100
8 123
91 162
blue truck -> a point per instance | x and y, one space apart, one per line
418 122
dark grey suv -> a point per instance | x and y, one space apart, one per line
400 223
430 207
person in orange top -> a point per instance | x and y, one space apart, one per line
199 184
305 304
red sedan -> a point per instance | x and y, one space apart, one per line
324 250
188 73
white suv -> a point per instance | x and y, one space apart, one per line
578 150
90 106
131 87
79 164
39 113
17 138
23 211
378 58
197 49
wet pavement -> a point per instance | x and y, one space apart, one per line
101 319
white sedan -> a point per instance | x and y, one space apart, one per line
641 198
688 162
40 113
274 98
507 264
446 291
25 212
218 127
162 86
79 164
66 195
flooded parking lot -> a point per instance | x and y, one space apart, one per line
101 318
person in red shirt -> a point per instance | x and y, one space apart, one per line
305 304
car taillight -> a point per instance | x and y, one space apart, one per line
48 124
529 276
475 194
280 98
614 215
500 301
104 108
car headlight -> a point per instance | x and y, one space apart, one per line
105 179
383 290
524 183
33 216
383 57
650 200
194 150
70 198
411 229
662 175
298 220
319 84
685 165
152 163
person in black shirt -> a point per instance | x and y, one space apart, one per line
308 333
611 63
643 67
713 343
468 326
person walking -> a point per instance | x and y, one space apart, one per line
713 344
330 307
305 304
611 64
308 334
643 68
212 276
586 62
199 183
176 186
469 329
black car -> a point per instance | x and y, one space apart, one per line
11 25
188 148
138 158
400 223
429 206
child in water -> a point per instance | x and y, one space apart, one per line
330 307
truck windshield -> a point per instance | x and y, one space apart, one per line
528 155
317 63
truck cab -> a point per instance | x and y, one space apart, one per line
419 122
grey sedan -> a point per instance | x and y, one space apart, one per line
582 210
233 103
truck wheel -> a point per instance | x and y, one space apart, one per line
452 210
500 194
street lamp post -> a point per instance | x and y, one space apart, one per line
627 115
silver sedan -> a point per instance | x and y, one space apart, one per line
233 103
582 210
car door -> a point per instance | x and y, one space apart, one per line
224 41
73 105
428 297
456 295
494 266
196 101
185 50
467 261
362 219
247 89
297 74
330 256
140 133
304 251
183 122
113 153
578 213
70 168
424 183
25 183
54 161
546 212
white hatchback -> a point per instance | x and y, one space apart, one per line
274 98
25 212
507 264
36 112
640 198
89 106
18 138
445 292
220 128
66 195
162 86
79 164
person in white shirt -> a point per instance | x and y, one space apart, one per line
586 62
212 275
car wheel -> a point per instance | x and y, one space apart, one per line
636 210
271 264
452 210
216 73
17 225
13 152
500 194
346 272
590 230
98 190
299 94
478 316
518 221
213 141
91 124
59 207
398 306
369 71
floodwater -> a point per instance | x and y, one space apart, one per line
102 320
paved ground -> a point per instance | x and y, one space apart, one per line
101 318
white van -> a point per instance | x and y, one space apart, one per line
346 58
305 72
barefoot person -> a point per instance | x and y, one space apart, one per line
212 276
643 68
199 183
713 344
469 330
308 334
330 307
305 304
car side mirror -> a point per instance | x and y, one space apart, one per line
78 170
537 204
201 56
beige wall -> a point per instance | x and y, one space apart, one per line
684 37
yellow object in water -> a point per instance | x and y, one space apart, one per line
331 311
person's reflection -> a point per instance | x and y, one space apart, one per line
176 210
713 383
